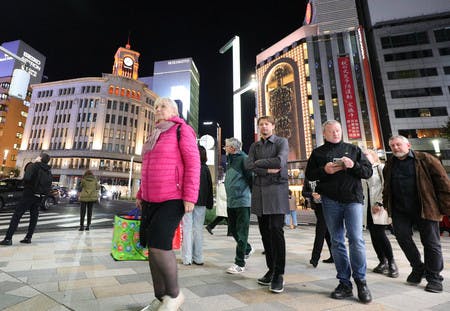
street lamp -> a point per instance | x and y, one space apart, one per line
238 90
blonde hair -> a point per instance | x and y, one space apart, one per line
374 154
168 101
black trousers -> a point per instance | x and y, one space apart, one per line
321 234
28 202
380 241
216 221
89 206
430 238
272 234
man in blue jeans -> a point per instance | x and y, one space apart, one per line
339 167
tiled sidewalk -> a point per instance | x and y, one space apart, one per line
73 270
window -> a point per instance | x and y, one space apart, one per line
408 55
404 40
421 112
413 73
418 92
442 35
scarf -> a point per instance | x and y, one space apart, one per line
152 138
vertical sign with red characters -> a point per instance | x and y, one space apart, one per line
348 94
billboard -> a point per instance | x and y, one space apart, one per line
35 60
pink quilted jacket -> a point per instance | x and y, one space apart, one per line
172 169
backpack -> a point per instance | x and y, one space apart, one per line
43 182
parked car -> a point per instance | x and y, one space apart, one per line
11 191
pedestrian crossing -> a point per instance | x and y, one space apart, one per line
47 219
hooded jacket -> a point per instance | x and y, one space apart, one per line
89 189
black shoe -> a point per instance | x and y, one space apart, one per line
209 230
328 260
415 277
434 287
198 263
382 268
81 228
6 242
266 279
363 291
26 241
342 291
277 284
393 270
314 263
86 229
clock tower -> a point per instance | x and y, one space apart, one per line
126 62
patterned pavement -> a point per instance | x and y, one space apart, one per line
72 270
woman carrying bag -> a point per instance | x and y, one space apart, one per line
88 196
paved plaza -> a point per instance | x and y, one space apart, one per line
72 270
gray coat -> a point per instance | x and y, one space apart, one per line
270 192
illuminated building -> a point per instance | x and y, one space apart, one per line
319 72
13 111
179 80
96 123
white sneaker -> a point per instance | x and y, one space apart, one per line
171 304
252 250
153 306
235 269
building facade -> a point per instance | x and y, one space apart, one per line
319 72
179 79
96 123
13 110
410 42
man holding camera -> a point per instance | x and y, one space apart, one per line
339 167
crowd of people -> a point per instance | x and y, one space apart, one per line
348 188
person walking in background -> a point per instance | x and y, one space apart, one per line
322 233
192 246
373 203
291 217
339 168
37 182
221 205
417 193
237 184
169 188
88 196
267 159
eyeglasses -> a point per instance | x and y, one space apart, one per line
225 147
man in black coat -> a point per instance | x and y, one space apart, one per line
37 183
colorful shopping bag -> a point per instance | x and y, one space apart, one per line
126 242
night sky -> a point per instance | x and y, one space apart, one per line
80 37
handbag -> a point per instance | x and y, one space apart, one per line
125 241
381 218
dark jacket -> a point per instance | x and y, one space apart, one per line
433 186
344 186
205 194
307 192
30 176
270 192
237 181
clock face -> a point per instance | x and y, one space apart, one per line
207 141
128 61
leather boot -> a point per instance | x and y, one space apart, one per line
382 267
393 270
364 294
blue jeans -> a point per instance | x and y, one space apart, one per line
341 217
287 218
192 246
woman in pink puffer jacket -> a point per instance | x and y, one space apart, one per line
169 188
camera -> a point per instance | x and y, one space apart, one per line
338 161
